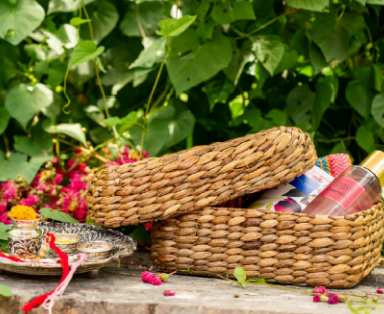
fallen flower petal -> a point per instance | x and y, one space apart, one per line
169 293
380 291
151 278
333 298
320 289
316 298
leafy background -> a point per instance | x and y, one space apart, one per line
162 76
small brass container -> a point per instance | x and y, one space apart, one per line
67 243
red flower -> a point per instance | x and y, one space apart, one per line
151 278
316 298
169 293
320 289
333 298
380 291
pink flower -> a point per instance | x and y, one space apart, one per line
151 278
380 291
9 190
148 226
58 178
112 163
320 289
316 298
333 298
30 200
169 293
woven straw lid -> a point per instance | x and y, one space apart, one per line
183 182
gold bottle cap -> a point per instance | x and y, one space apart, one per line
375 162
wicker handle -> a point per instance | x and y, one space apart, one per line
157 188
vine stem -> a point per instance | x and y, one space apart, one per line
151 96
334 140
6 143
264 25
141 29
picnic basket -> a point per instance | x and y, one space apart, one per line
179 191
187 181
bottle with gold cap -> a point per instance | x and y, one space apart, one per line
355 190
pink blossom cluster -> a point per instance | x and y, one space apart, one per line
151 278
322 295
57 188
168 293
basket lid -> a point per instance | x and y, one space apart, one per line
178 183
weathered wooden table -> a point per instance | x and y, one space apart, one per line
121 291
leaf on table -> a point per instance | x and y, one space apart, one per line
19 19
333 35
5 291
57 215
172 27
240 275
209 58
73 130
150 13
311 5
84 51
365 139
66 5
37 97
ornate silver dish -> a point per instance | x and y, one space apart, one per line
122 246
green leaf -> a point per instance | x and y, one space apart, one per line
40 147
127 122
227 12
359 97
172 27
24 101
19 19
365 139
73 130
378 2
322 102
151 55
4 119
140 234
277 117
288 61
240 275
8 57
66 5
75 21
311 5
317 59
36 51
269 52
218 90
112 121
239 59
57 215
17 164
211 57
333 34
84 51
299 103
4 229
104 19
378 109
5 291
150 13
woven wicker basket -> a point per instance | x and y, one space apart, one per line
282 247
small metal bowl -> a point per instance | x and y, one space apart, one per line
67 243
96 250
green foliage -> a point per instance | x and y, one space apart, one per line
240 275
4 231
5 291
137 75
57 215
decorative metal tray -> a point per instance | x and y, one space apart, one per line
122 246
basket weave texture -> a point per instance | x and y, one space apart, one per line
282 247
183 182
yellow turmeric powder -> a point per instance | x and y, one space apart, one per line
21 212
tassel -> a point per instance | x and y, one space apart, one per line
64 263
